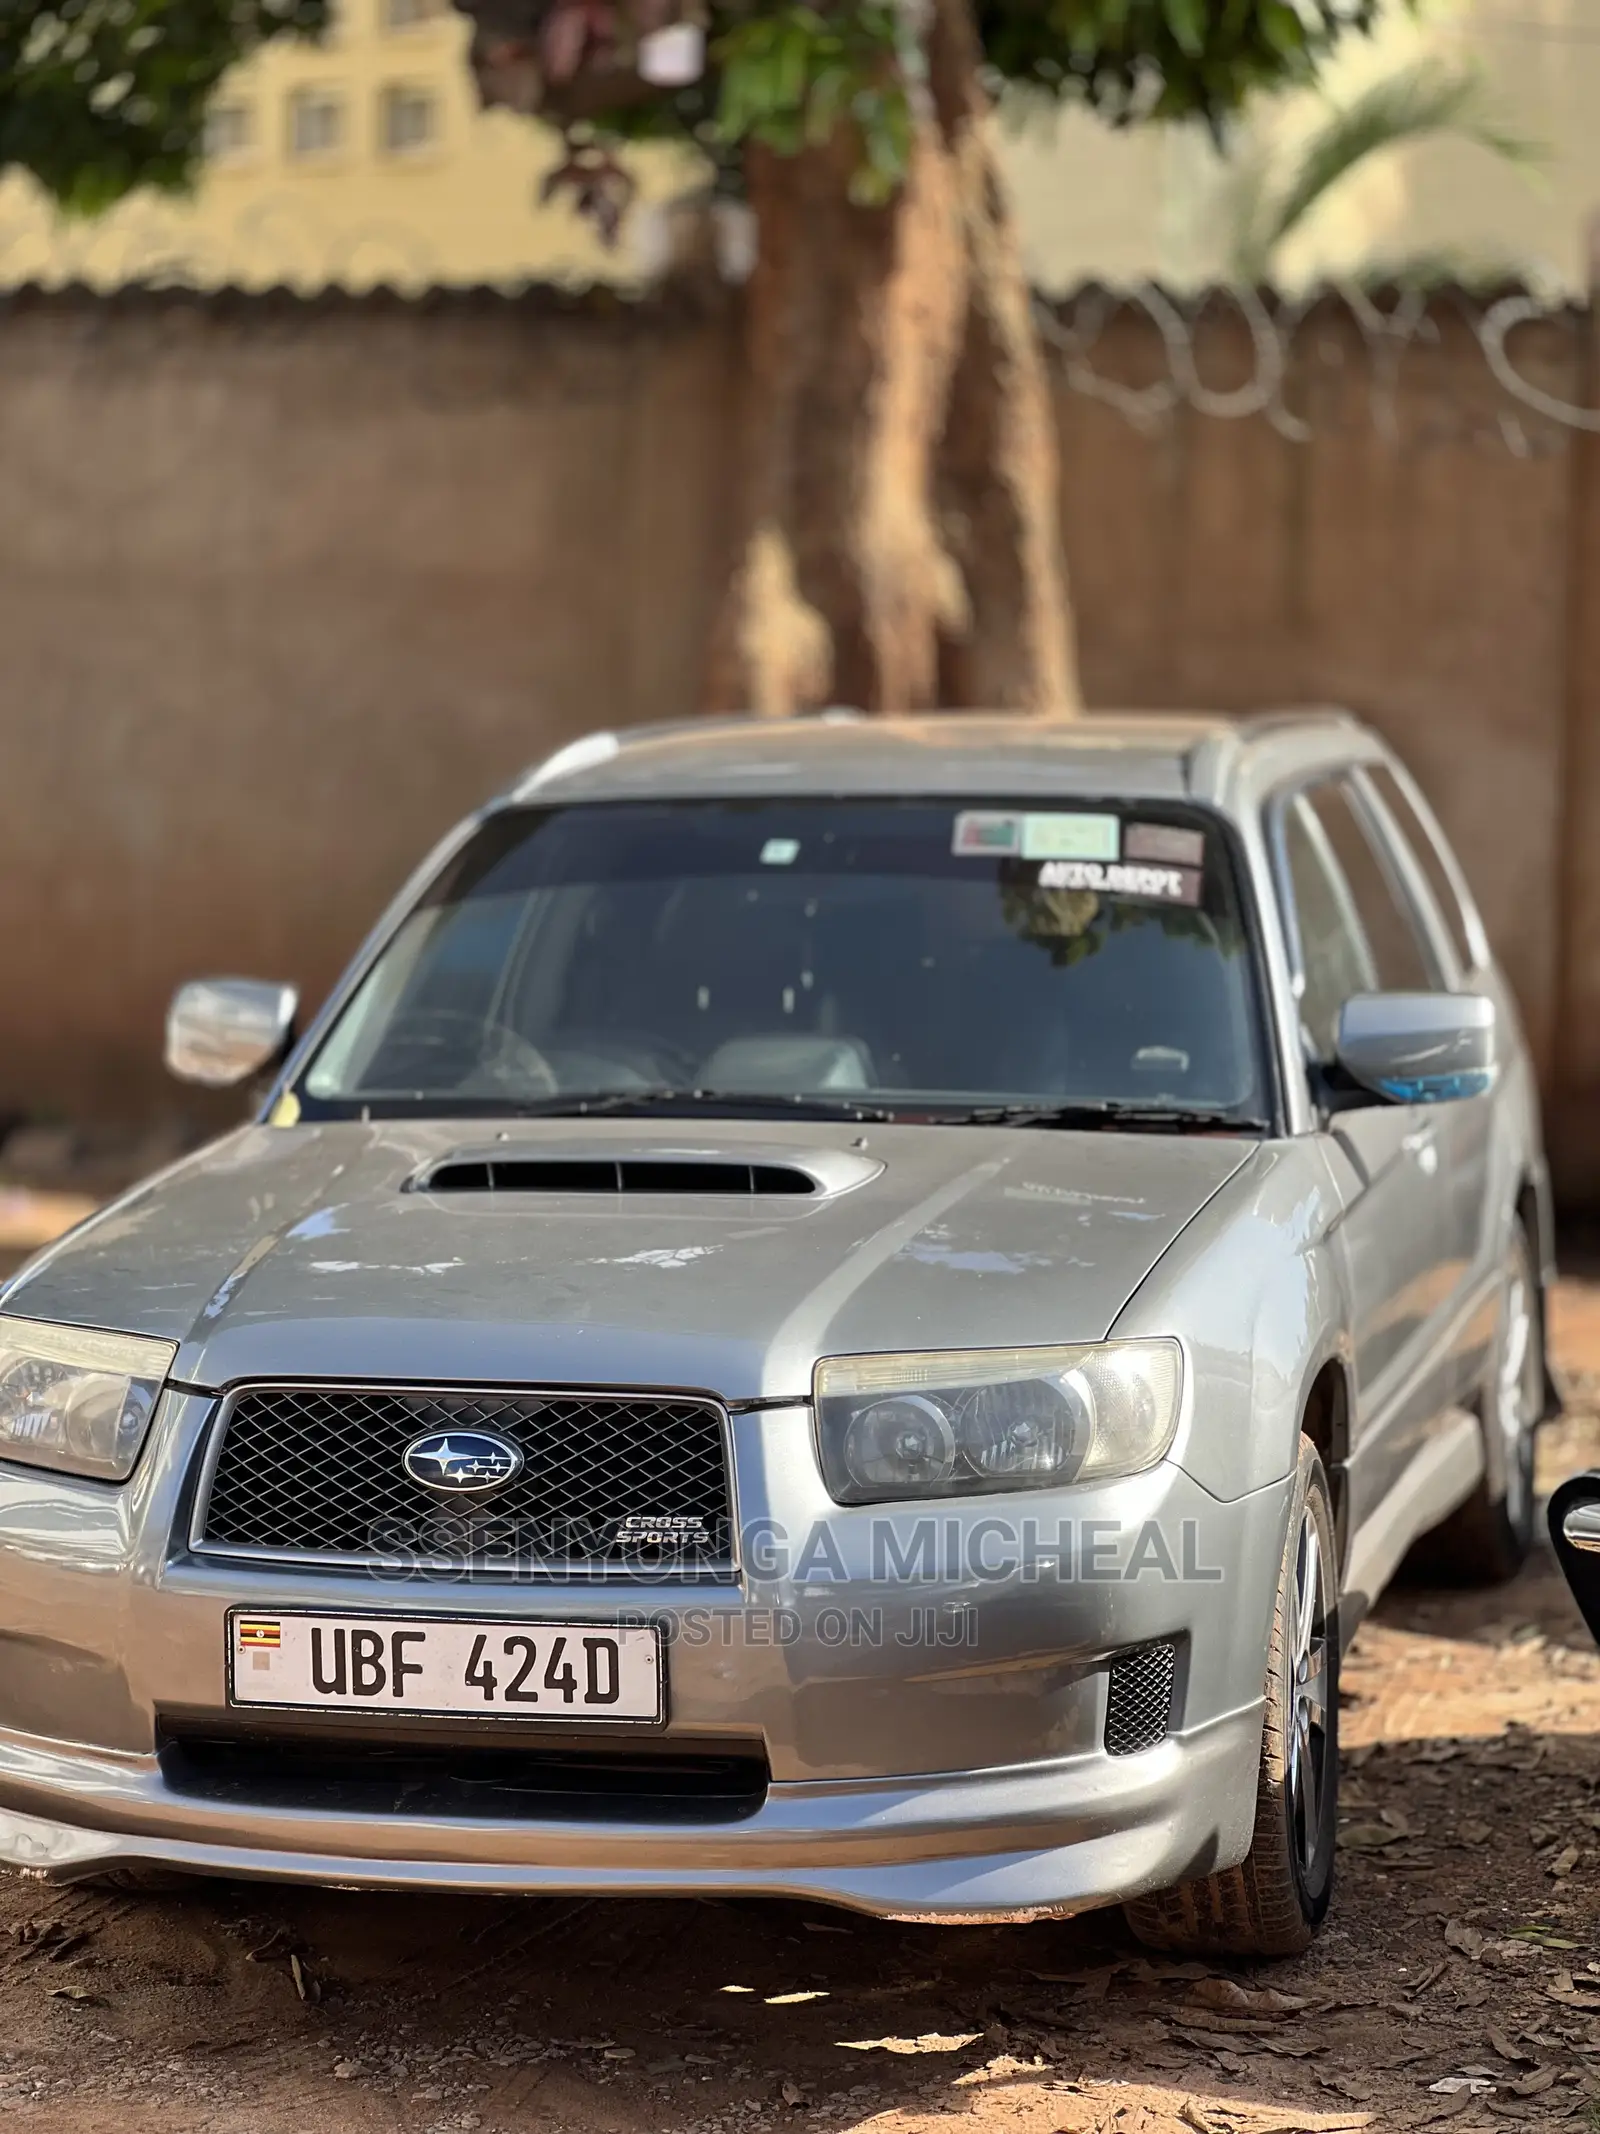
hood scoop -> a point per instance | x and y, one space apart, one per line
660 1175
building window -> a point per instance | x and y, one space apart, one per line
407 14
230 132
316 123
410 120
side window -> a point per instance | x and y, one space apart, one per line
1424 848
1334 958
1403 959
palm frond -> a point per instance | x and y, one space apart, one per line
1428 97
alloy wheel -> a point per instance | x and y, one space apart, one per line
1517 1389
1308 1686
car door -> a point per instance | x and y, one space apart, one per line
1349 934
1466 1128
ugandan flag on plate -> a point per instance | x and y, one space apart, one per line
260 1637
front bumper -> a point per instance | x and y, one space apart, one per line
1032 1841
909 1774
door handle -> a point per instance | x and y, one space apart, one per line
1421 1145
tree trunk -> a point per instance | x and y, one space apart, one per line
897 543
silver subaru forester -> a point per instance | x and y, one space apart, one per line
853 1308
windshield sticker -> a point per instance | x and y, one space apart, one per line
989 834
1165 885
1164 843
1071 837
780 852
979 835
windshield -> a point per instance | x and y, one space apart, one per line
891 951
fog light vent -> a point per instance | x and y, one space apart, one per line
1139 1705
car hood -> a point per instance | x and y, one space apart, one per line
313 1250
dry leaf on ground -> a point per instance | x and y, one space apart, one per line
1368 1837
1356 2087
1533 2084
1508 2050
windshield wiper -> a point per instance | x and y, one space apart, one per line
1103 1113
1127 1118
620 1102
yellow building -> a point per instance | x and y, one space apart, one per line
360 160
366 160
1158 204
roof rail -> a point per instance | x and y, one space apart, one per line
591 749
1270 722
579 755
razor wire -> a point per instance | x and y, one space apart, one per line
1535 423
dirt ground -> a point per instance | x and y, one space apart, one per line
1458 1979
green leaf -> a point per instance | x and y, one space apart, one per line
830 95
1283 30
793 64
1187 21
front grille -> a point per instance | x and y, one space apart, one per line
610 1483
486 1785
1139 1703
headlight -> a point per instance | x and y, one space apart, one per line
76 1400
965 1422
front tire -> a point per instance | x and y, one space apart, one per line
1274 1901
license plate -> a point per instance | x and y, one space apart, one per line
505 1670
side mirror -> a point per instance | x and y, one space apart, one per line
221 1031
1575 1533
1419 1048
